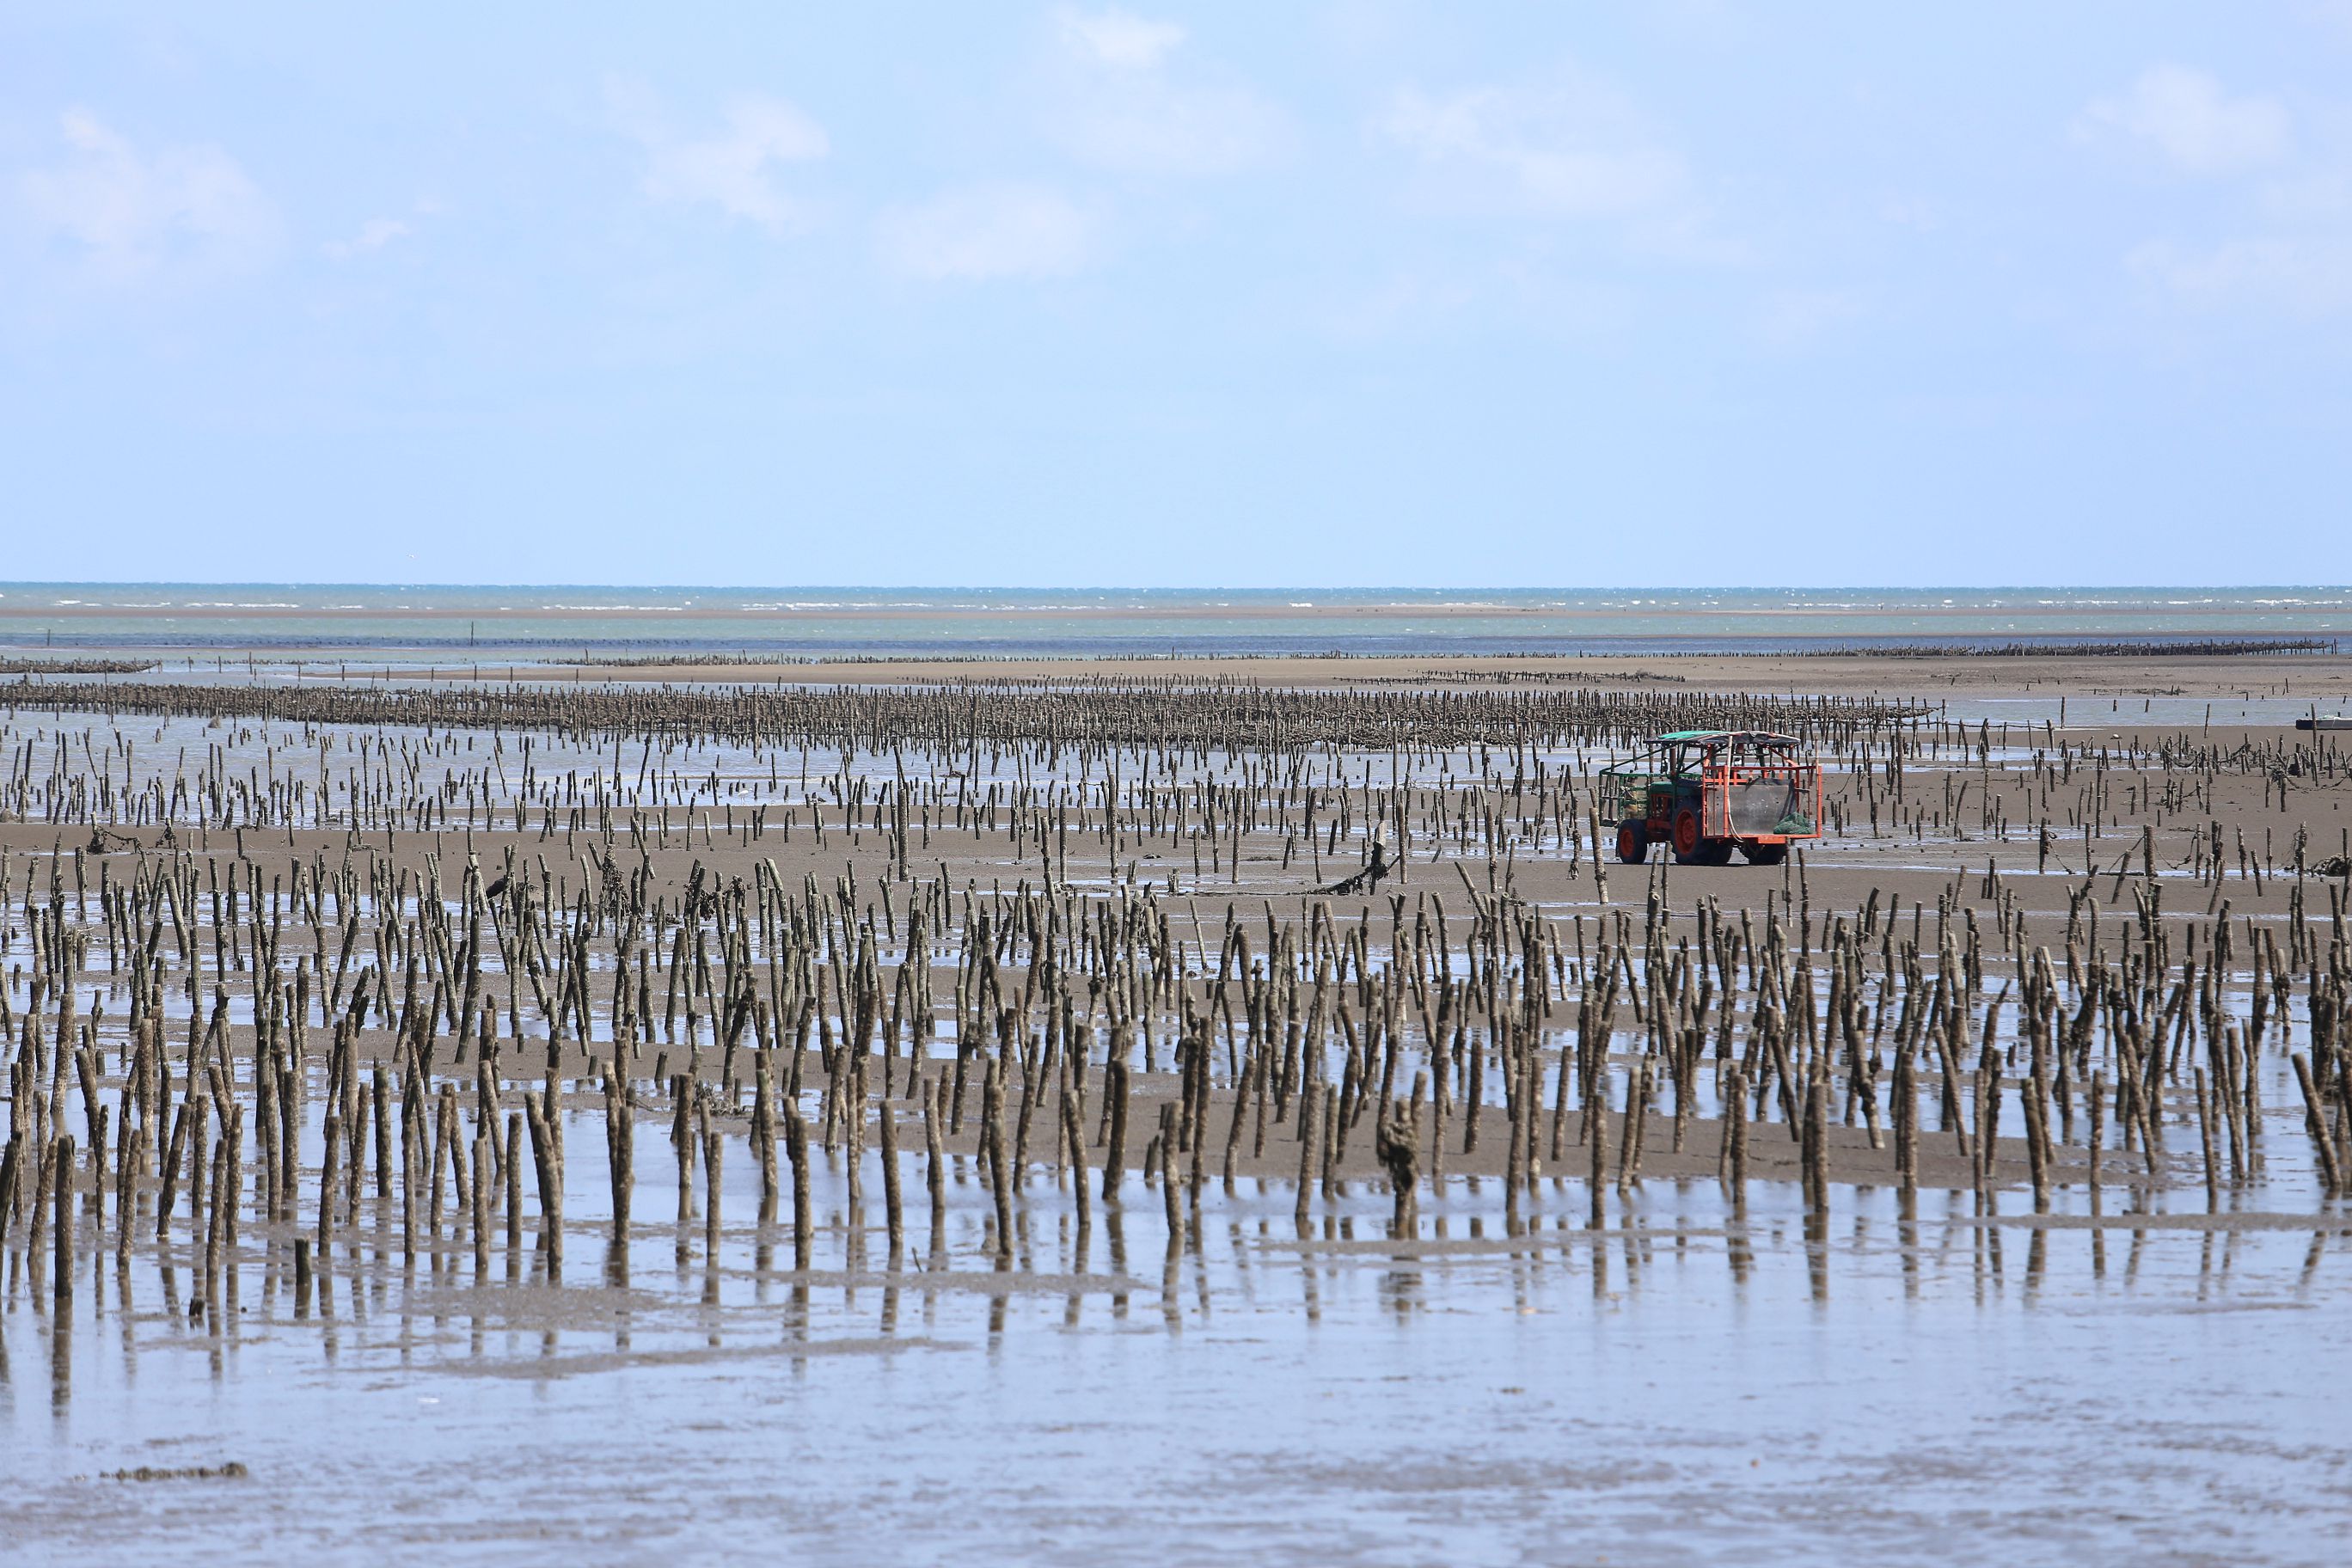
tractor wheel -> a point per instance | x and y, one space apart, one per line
1689 842
1715 852
1764 854
1632 841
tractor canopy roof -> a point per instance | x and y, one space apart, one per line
1677 752
1731 737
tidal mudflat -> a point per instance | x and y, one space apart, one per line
1010 1123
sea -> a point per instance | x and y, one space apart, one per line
550 622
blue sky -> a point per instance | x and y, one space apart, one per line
1683 293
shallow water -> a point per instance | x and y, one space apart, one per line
1688 1383
447 620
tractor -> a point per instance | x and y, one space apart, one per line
1709 791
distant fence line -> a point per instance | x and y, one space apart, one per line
1221 715
2219 648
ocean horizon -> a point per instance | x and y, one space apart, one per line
849 621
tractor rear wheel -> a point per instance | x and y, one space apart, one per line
1632 841
1689 842
1765 853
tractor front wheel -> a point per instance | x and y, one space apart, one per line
1632 841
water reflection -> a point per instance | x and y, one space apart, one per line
373 1285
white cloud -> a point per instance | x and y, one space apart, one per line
1916 213
1796 318
1117 38
374 234
189 210
1399 303
1522 292
1711 24
2333 15
1116 99
2199 128
2292 255
1576 148
983 231
2305 275
734 170
2308 197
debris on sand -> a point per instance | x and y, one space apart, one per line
1367 880
231 1471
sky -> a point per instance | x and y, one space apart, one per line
1314 294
